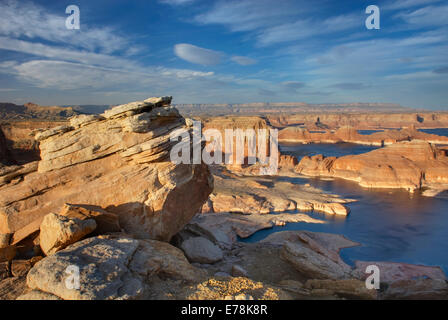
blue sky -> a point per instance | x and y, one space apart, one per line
204 51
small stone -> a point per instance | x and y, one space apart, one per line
238 271
57 232
202 250
106 222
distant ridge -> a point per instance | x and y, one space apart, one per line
32 111
258 108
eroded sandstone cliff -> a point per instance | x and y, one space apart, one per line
350 134
118 161
408 165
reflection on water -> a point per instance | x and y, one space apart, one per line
391 225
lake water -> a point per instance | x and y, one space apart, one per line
392 225
327 149
439 131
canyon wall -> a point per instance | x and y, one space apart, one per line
361 120
409 165
20 140
351 135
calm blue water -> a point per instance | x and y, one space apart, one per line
391 225
327 149
367 132
439 131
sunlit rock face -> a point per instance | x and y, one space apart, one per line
120 161
407 165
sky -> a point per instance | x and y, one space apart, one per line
207 51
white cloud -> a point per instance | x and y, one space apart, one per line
244 61
427 16
68 75
306 28
197 55
30 21
247 15
53 52
176 2
275 22
404 4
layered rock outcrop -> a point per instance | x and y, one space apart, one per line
361 120
351 135
118 161
408 165
257 195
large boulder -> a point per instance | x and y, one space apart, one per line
119 162
347 288
407 281
110 267
315 254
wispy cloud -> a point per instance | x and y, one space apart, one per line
405 4
26 20
176 2
426 16
306 28
275 22
243 61
197 55
249 15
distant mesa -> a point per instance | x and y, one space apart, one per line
32 111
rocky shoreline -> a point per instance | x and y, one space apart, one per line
411 165
350 135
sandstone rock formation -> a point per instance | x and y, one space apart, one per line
201 250
350 134
258 195
346 288
409 165
106 222
235 124
317 255
110 267
58 232
360 120
118 161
